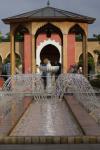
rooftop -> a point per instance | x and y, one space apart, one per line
49 13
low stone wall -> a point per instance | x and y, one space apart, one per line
11 110
51 140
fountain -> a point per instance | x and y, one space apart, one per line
49 69
32 84
19 86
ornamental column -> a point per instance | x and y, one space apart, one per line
85 56
65 53
33 55
12 52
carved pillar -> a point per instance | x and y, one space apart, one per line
12 51
33 55
65 53
85 56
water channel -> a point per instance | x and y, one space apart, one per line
47 119
48 114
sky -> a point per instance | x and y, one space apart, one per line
89 8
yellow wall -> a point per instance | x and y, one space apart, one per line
91 46
5 49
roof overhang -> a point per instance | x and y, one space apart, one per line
20 20
48 14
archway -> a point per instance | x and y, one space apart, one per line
49 29
17 59
51 52
50 44
77 32
91 64
98 60
50 35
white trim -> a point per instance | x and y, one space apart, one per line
45 43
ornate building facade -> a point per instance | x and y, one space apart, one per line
49 33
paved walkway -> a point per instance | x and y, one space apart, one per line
52 147
49 118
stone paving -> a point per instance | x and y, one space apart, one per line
47 119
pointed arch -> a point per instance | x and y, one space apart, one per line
45 43
17 57
78 32
48 29
76 29
91 63
21 29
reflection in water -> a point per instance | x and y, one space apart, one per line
50 118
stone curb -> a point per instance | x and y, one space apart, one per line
16 122
88 125
51 140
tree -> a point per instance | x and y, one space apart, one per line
18 37
0 36
97 36
8 36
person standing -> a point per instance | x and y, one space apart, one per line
80 70
6 70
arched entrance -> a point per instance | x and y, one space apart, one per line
49 49
49 41
51 52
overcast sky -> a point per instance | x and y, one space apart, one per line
84 7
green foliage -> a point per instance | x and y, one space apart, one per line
0 36
8 36
97 37
90 62
80 63
18 37
78 37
